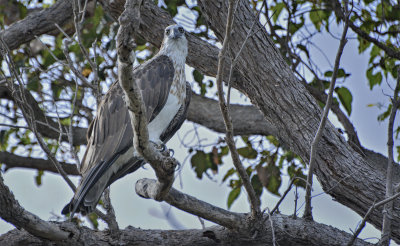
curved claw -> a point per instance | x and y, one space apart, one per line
171 152
160 146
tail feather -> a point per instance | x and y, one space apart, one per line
94 183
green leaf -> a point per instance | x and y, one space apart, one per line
317 16
33 84
340 73
362 45
345 98
229 173
373 79
385 114
257 185
38 178
248 152
295 171
304 49
93 220
56 89
277 9
200 162
198 77
233 195
273 140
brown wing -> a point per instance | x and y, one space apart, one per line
110 135
111 131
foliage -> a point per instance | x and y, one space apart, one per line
292 28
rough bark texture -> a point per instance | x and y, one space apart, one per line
353 179
343 173
12 161
288 231
46 125
37 24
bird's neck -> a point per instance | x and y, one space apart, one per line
176 51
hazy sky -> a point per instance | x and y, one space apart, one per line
47 200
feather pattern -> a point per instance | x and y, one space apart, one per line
109 154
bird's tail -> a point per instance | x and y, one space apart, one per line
94 183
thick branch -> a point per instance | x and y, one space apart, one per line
45 125
13 161
146 187
247 120
38 23
271 85
12 212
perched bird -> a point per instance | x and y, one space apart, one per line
110 151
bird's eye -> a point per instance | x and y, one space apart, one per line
181 30
167 32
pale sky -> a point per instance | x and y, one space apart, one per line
48 199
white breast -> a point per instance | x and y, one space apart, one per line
158 125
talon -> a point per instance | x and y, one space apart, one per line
159 146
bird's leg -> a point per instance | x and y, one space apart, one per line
160 146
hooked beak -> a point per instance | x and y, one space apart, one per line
176 33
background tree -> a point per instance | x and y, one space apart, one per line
60 58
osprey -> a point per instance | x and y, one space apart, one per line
110 152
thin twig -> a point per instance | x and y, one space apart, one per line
283 196
370 210
111 219
272 229
388 209
21 101
254 201
78 26
318 135
296 197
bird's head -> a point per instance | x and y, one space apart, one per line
175 44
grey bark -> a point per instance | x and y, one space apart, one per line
353 179
13 161
47 126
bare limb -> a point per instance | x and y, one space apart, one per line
318 135
11 211
255 203
163 166
79 15
283 196
388 209
112 221
13 161
27 111
370 210
146 187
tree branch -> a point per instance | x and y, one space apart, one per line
254 201
12 212
45 125
13 161
163 166
388 50
388 209
314 146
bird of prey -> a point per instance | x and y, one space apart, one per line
110 151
